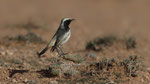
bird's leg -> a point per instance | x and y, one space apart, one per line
62 51
59 54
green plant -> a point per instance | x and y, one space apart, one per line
52 60
131 65
1 62
130 43
14 61
29 37
98 43
33 62
74 58
55 69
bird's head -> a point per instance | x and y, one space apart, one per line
65 22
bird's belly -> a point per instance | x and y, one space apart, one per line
66 37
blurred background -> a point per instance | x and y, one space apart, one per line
93 18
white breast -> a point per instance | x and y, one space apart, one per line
66 37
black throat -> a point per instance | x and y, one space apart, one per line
67 23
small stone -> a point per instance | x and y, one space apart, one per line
147 77
53 82
142 80
26 65
20 78
5 72
3 83
26 80
75 58
7 77
111 82
9 52
92 55
148 69
3 53
14 80
32 82
68 69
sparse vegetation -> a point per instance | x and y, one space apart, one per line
15 61
107 38
96 72
1 62
98 43
74 58
28 25
29 37
107 68
52 60
131 65
33 62
130 43
105 63
73 68
101 42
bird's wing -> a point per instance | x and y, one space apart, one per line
55 45
50 44
59 38
52 41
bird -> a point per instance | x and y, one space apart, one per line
61 36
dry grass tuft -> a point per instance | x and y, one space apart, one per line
29 37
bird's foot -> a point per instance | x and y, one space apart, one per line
38 54
63 54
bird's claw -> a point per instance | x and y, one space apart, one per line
63 54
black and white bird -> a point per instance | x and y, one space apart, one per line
60 37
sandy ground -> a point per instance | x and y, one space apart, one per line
94 18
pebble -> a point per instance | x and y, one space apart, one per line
32 82
26 80
9 52
3 53
92 55
142 80
14 80
53 82
26 65
148 69
7 77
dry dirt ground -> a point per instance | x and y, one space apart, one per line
119 55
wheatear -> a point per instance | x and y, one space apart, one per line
61 36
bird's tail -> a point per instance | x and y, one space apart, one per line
43 51
53 48
49 45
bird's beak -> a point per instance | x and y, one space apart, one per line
72 19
